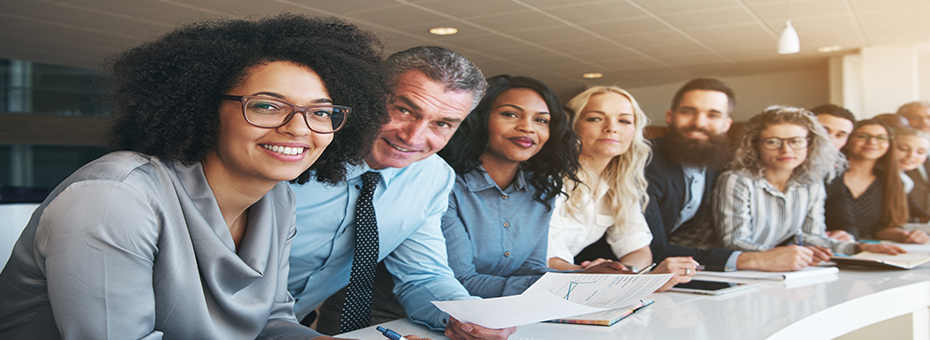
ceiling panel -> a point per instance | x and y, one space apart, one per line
734 15
633 42
625 27
475 8
667 7
596 12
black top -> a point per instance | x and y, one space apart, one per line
837 208
866 209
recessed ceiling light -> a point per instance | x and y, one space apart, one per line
825 49
443 30
592 75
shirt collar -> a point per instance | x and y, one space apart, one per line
765 185
692 172
480 180
387 174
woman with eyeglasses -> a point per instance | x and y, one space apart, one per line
772 193
185 232
873 185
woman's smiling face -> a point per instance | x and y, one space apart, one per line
518 126
248 152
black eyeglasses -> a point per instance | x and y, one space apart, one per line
273 113
881 139
775 143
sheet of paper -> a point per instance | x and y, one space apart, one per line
600 290
914 248
556 296
513 310
777 276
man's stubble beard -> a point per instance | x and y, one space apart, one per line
711 153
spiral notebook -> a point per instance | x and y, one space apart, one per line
607 317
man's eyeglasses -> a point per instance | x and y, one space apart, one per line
881 139
775 143
273 113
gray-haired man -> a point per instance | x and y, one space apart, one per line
434 89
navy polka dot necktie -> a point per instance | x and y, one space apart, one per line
357 310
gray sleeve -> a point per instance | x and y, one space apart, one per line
97 243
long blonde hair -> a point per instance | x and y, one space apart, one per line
624 175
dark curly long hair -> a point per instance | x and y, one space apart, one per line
166 91
558 159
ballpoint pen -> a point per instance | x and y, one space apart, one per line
646 270
390 334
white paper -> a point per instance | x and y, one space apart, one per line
600 290
513 310
546 299
777 276
914 248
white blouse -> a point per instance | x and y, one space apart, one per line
568 236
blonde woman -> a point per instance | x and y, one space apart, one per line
912 148
611 194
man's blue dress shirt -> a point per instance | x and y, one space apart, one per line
497 239
409 203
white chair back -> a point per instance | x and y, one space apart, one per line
13 219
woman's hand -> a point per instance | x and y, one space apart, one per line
889 249
608 267
916 237
819 254
840 235
589 264
683 268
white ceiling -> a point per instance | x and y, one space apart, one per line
632 42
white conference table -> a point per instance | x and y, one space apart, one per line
855 304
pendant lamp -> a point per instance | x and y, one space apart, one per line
788 42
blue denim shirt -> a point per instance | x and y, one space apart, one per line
409 203
496 238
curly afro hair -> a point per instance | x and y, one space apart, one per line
166 91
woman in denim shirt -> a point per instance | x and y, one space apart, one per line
510 157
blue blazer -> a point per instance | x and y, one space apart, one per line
666 199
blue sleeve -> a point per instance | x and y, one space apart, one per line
421 270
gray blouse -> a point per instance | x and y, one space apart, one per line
130 247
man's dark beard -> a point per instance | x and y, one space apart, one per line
710 153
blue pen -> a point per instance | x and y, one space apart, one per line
390 334
799 239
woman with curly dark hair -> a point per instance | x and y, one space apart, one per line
772 192
510 157
186 232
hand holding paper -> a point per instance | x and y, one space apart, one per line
555 296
